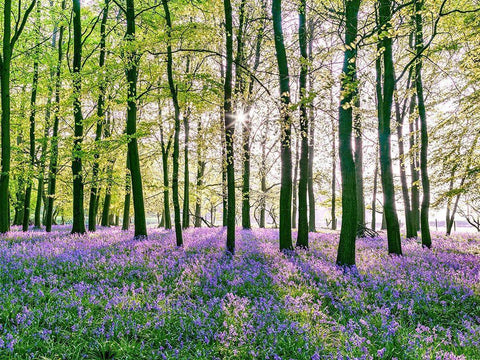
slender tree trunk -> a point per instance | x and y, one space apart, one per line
359 167
224 154
92 211
108 195
295 182
176 138
134 159
20 194
415 203
78 211
263 177
311 136
229 129
385 108
166 187
425 227
224 176
186 171
286 131
33 112
374 196
411 231
334 178
239 93
53 167
200 173
108 189
128 194
346 246
302 237
44 143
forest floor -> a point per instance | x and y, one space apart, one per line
106 296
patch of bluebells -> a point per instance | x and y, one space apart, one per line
105 295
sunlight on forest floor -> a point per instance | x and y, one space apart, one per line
106 296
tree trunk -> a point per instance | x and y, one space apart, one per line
311 146
295 182
134 159
108 189
385 100
20 194
399 115
78 226
425 227
374 196
33 112
53 167
126 202
92 211
176 138
359 166
200 173
186 172
302 236
286 131
263 178
229 129
334 178
44 144
346 246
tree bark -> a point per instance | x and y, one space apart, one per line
311 136
359 167
186 171
295 182
200 173
385 99
302 236
348 89
134 159
176 137
425 227
8 43
128 194
334 178
229 129
78 226
44 144
263 177
409 224
286 131
166 185
374 196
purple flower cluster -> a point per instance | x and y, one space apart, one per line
105 295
